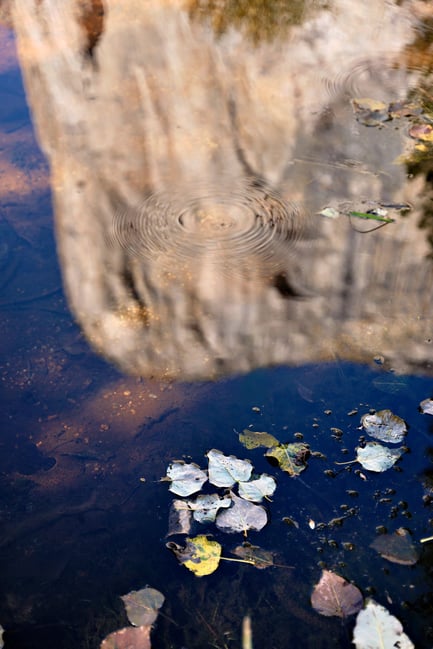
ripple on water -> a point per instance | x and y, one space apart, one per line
229 228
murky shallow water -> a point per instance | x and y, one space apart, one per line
195 292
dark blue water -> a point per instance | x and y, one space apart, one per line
84 517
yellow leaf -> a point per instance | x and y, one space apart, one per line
205 555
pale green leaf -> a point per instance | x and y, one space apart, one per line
185 478
375 457
255 490
225 470
242 516
206 506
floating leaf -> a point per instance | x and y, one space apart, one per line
372 216
260 558
384 425
242 516
179 518
251 439
423 132
426 406
370 112
225 470
290 457
329 212
142 606
375 457
206 506
333 595
256 490
199 555
396 547
128 638
376 628
185 478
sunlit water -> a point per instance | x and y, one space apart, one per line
236 259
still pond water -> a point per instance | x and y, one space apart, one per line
214 217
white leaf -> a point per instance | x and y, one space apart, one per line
242 516
225 470
427 406
376 457
376 628
384 425
186 478
256 490
206 506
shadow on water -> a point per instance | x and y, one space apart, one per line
208 177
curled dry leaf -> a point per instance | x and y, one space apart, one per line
376 628
179 518
333 595
384 425
292 458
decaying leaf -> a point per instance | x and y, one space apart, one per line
384 425
128 638
260 558
333 595
186 479
142 606
242 516
396 547
375 457
426 406
250 439
370 112
376 628
206 506
179 518
255 490
292 458
200 555
225 470
423 132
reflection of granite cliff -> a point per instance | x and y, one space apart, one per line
143 111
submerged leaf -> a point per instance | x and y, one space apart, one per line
206 506
396 547
260 558
291 458
199 555
333 595
375 457
242 516
256 490
179 518
225 470
251 439
185 478
142 606
128 638
370 112
384 425
376 628
423 132
426 406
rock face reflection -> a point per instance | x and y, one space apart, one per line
188 165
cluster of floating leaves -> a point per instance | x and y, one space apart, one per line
231 512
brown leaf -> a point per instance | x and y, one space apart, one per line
333 595
396 547
129 637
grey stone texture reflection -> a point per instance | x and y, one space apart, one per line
188 166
